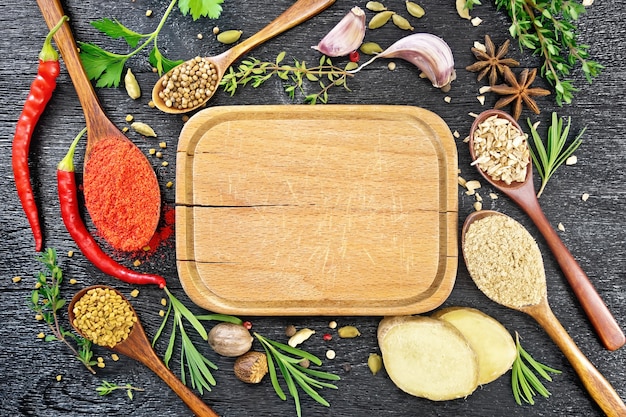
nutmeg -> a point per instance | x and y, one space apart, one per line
229 339
251 367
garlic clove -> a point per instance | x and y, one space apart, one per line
428 52
346 36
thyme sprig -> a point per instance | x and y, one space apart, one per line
46 302
524 381
287 360
106 67
108 387
548 29
547 158
255 72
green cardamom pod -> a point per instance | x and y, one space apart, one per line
229 36
132 86
375 363
348 332
401 22
379 19
370 48
415 9
375 6
143 129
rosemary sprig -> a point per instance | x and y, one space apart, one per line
106 67
547 158
108 387
46 302
255 72
548 29
524 382
286 359
198 366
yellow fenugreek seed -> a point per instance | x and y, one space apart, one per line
165 163
169 184
148 13
151 104
134 293
162 145
146 248
163 302
152 151
129 117
161 313
101 365
137 262
38 317
16 279
38 285
115 357
100 359
125 129
59 378
70 253
73 281
41 335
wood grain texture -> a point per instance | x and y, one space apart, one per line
594 230
288 206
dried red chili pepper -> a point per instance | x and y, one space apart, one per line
40 92
66 182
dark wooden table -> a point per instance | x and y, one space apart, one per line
594 229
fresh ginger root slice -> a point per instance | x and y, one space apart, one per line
491 341
428 358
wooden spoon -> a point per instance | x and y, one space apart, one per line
598 387
101 130
523 194
138 347
299 12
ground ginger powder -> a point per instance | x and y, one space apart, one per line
504 261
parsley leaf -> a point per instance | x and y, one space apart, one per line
116 30
199 8
101 65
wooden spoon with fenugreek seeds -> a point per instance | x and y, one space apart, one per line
138 347
488 278
524 195
299 12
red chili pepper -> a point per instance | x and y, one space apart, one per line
40 92
87 244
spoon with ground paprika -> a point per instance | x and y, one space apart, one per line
504 261
104 316
520 188
191 84
121 190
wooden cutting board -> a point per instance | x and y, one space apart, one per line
316 210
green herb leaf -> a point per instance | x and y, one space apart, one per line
116 30
160 62
524 383
100 65
200 8
550 154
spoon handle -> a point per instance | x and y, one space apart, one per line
97 122
601 318
598 387
299 12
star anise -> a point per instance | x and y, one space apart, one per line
518 91
491 61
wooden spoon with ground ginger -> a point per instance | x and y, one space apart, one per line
522 192
128 338
504 261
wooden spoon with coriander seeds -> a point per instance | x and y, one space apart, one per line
120 186
131 342
522 192
168 94
504 261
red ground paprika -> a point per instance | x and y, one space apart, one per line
70 213
40 93
125 214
